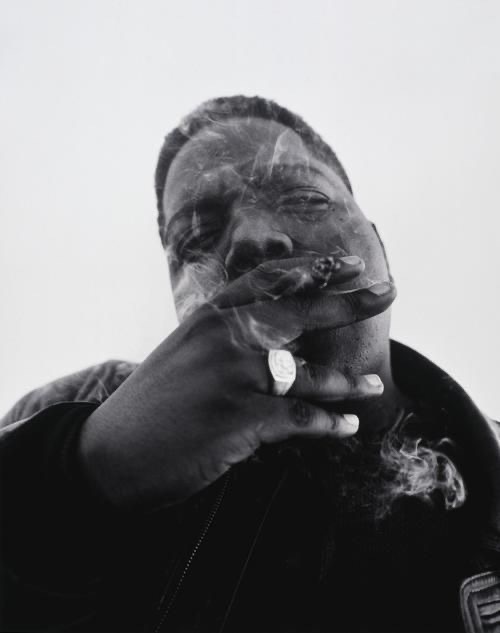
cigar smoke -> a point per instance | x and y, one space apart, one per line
416 467
201 281
198 283
368 477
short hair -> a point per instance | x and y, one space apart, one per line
238 106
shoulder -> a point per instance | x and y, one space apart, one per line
92 384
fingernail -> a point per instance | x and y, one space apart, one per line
351 260
352 420
381 288
373 380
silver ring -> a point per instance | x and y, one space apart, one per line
283 370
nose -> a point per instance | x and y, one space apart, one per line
254 241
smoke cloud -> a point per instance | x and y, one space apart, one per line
420 468
198 283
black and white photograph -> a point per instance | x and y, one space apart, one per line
249 316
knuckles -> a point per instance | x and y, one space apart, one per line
334 423
314 374
301 413
352 384
352 308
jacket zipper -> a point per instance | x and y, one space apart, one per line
206 527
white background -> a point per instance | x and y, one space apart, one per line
407 93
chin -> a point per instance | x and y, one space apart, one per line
353 349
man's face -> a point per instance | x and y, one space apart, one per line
247 191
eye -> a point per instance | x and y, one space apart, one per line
304 195
307 203
192 241
200 231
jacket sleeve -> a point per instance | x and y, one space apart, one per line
93 384
55 536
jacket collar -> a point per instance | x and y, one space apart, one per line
416 375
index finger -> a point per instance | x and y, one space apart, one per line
268 324
279 278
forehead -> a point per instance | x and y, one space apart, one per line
240 144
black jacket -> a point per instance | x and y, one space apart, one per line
253 552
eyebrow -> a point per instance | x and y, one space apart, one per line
287 167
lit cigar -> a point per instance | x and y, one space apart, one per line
322 270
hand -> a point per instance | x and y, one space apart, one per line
202 402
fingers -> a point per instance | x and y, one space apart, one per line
292 417
320 383
333 311
257 321
270 324
285 277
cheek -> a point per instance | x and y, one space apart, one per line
370 249
344 235
359 238
351 238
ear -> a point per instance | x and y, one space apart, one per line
383 250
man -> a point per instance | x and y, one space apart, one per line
276 464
